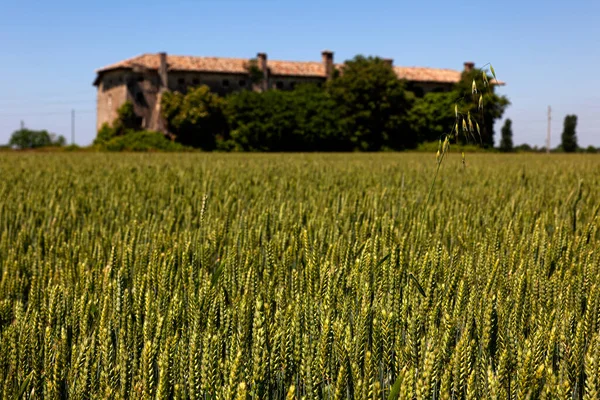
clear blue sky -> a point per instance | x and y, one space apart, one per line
547 51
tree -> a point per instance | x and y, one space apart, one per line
304 119
433 115
569 137
493 104
30 139
506 143
373 105
127 121
195 118
254 72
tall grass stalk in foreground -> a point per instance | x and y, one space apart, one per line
464 122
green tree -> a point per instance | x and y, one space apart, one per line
493 105
506 142
195 118
31 139
127 121
304 119
433 115
569 136
373 105
254 72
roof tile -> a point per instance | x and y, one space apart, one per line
277 68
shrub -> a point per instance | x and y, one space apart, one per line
142 141
127 121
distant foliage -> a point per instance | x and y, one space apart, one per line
365 107
373 105
305 119
196 118
569 136
126 122
506 142
32 139
255 74
433 115
142 141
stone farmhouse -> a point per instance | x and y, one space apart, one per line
143 79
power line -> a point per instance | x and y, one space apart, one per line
36 114
38 105
549 130
72 127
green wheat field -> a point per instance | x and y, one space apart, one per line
249 276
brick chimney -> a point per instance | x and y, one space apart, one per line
162 71
389 61
262 64
327 57
469 65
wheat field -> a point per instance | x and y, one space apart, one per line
249 276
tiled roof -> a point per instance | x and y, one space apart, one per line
277 68
183 63
296 68
422 74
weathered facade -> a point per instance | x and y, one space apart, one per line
143 79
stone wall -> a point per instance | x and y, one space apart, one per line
112 93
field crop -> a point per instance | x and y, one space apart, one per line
196 276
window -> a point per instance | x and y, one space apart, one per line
140 78
139 97
110 101
196 81
181 81
225 83
242 83
279 85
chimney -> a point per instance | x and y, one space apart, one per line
327 57
162 71
389 61
469 65
262 64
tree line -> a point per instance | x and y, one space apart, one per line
367 108
568 139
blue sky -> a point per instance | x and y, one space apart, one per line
547 51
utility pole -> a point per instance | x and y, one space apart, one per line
73 127
22 124
549 130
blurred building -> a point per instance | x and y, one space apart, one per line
144 78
